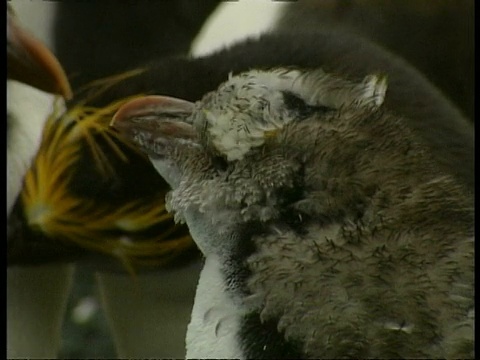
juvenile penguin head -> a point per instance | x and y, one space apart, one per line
251 107
246 142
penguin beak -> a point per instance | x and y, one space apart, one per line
155 117
30 62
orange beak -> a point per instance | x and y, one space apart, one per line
29 61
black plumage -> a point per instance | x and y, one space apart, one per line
97 39
437 38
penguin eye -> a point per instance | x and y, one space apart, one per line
219 163
294 103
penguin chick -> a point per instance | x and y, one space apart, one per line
334 236
30 62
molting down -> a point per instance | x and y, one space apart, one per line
327 229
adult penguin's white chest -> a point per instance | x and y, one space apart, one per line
28 110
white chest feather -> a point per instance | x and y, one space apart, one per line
29 109
216 317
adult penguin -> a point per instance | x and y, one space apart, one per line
414 30
30 65
28 62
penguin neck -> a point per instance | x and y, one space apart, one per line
223 325
216 316
218 310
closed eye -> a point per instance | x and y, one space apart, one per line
303 110
219 163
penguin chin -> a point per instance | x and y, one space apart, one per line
169 170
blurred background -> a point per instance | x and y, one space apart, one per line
437 36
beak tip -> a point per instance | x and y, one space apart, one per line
67 92
114 119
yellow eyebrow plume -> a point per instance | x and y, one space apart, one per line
118 231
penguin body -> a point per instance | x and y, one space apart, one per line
36 297
115 38
338 236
